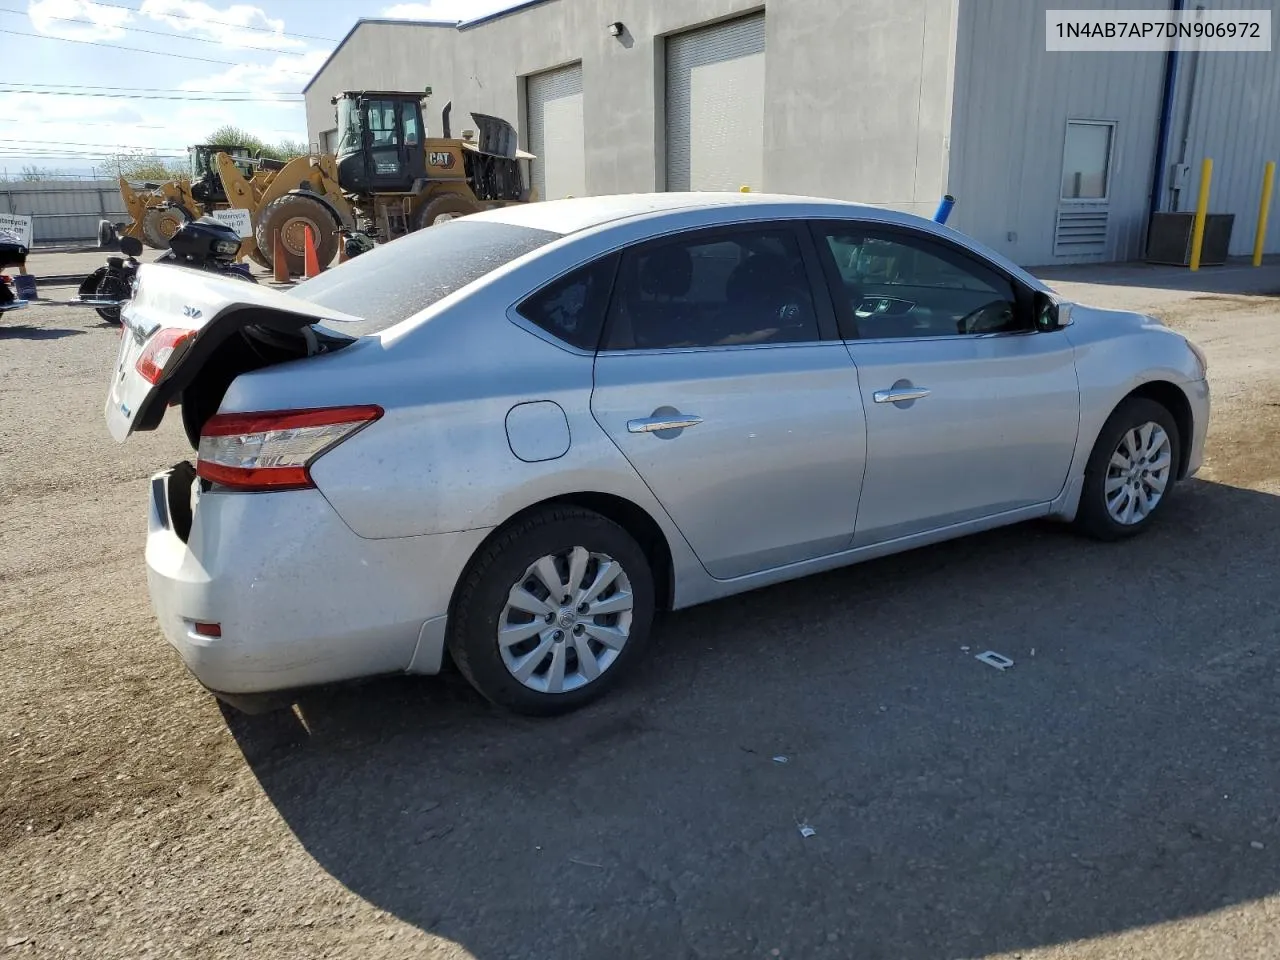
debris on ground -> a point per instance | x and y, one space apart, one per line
993 659
806 831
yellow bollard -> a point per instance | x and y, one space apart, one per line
1264 207
1202 210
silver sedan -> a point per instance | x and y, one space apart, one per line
513 437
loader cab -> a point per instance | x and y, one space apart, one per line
206 184
380 141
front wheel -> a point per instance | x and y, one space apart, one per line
1131 472
552 612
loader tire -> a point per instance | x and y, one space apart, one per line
445 207
159 224
290 214
259 258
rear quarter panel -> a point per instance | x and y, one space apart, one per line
439 460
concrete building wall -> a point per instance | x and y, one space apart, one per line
1012 103
385 55
859 98
856 95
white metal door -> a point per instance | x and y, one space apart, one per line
556 134
715 106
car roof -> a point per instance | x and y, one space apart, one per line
580 214
572 214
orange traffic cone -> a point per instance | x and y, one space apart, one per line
310 260
279 262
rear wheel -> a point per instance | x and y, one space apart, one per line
291 215
447 206
553 612
1131 472
159 224
110 287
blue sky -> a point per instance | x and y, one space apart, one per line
265 50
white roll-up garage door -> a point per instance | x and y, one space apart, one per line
556 134
715 106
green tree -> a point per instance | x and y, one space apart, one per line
230 136
146 165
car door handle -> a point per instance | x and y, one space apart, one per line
654 424
898 394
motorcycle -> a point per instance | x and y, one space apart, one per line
355 241
13 253
204 244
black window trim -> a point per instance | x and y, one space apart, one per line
516 316
828 330
941 247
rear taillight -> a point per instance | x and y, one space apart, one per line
273 451
160 350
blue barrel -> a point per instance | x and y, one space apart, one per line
944 208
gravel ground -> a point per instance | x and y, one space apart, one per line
1112 795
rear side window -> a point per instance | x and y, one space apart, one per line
728 289
572 309
398 279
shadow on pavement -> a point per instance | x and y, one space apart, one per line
1118 775
13 332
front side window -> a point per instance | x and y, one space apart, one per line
896 285
349 126
1086 160
721 290
382 123
410 125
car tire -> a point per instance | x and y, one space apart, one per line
289 214
1110 487
503 574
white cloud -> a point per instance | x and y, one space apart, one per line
50 17
283 75
450 11
226 25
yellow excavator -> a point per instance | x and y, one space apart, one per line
157 210
387 178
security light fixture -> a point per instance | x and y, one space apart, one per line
616 28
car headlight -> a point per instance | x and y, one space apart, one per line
1200 358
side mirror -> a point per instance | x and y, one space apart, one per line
1051 314
130 246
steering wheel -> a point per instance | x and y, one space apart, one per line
991 317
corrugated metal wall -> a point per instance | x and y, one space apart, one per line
66 210
1012 101
1235 119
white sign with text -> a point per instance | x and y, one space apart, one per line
12 223
237 218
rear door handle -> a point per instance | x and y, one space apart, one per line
654 424
898 394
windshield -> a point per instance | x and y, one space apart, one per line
348 126
199 165
394 281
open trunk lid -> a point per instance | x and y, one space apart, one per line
175 322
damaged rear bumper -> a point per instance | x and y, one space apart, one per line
264 593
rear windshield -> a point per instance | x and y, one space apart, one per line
395 280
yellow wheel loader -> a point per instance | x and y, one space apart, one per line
387 178
159 209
